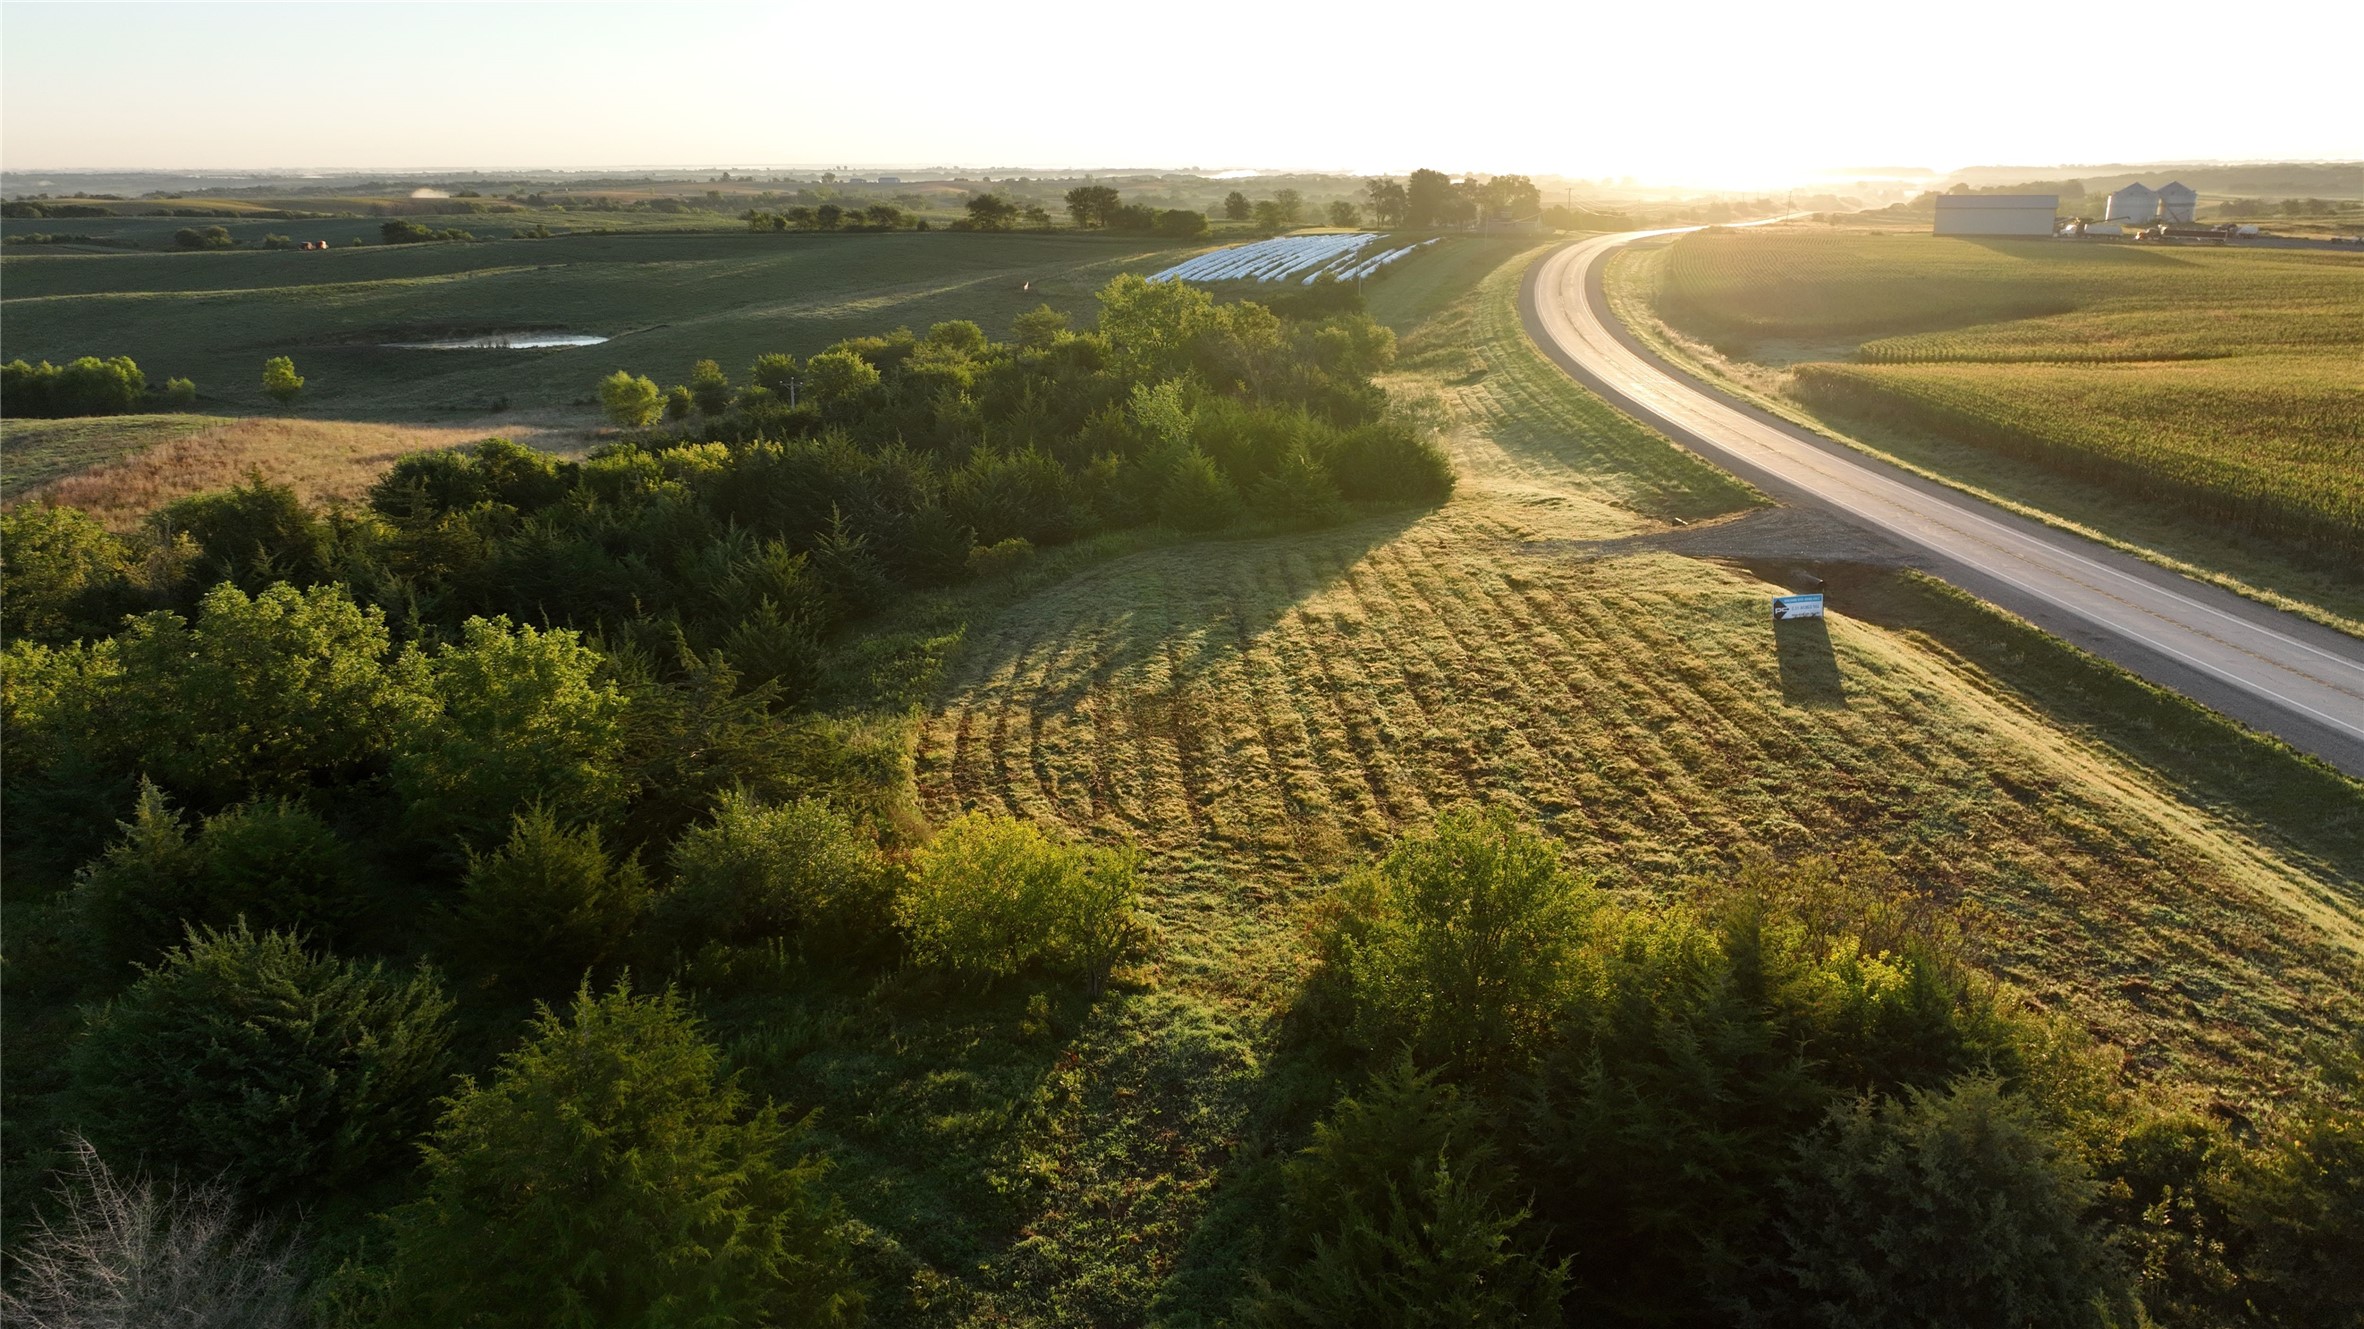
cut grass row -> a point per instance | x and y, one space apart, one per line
1258 713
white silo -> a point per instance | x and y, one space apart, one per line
2134 203
2177 203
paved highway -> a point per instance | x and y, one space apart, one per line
2272 670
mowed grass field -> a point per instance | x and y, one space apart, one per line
2224 383
666 301
1578 635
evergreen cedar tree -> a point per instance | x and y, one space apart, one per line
309 807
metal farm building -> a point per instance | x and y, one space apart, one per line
1996 214
2177 202
2134 203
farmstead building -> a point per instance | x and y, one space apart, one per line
2134 203
1996 214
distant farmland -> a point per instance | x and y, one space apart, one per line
665 300
2222 384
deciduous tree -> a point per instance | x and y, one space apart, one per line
1090 205
631 400
281 382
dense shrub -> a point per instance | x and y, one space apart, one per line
290 1073
610 1174
1399 1213
759 870
58 567
1000 559
207 237
990 897
403 231
547 908
130 905
709 387
424 486
1388 462
253 534
281 382
1456 947
1195 496
263 694
775 373
518 716
1952 1207
1299 490
2297 1205
275 864
1699 1045
839 378
87 386
1181 224
630 400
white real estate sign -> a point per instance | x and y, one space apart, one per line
1797 606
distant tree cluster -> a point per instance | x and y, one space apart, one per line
1090 207
403 231
210 237
1429 198
830 217
87 386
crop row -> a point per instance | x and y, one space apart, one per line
2273 446
2012 299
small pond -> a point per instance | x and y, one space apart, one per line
502 341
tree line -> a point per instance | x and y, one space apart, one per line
1423 200
88 385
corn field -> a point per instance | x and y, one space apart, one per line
2271 446
2225 383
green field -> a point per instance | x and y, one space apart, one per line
2215 389
1578 636
666 300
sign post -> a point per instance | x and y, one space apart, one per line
1797 606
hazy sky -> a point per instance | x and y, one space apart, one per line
1702 92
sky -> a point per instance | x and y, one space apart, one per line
1705 92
